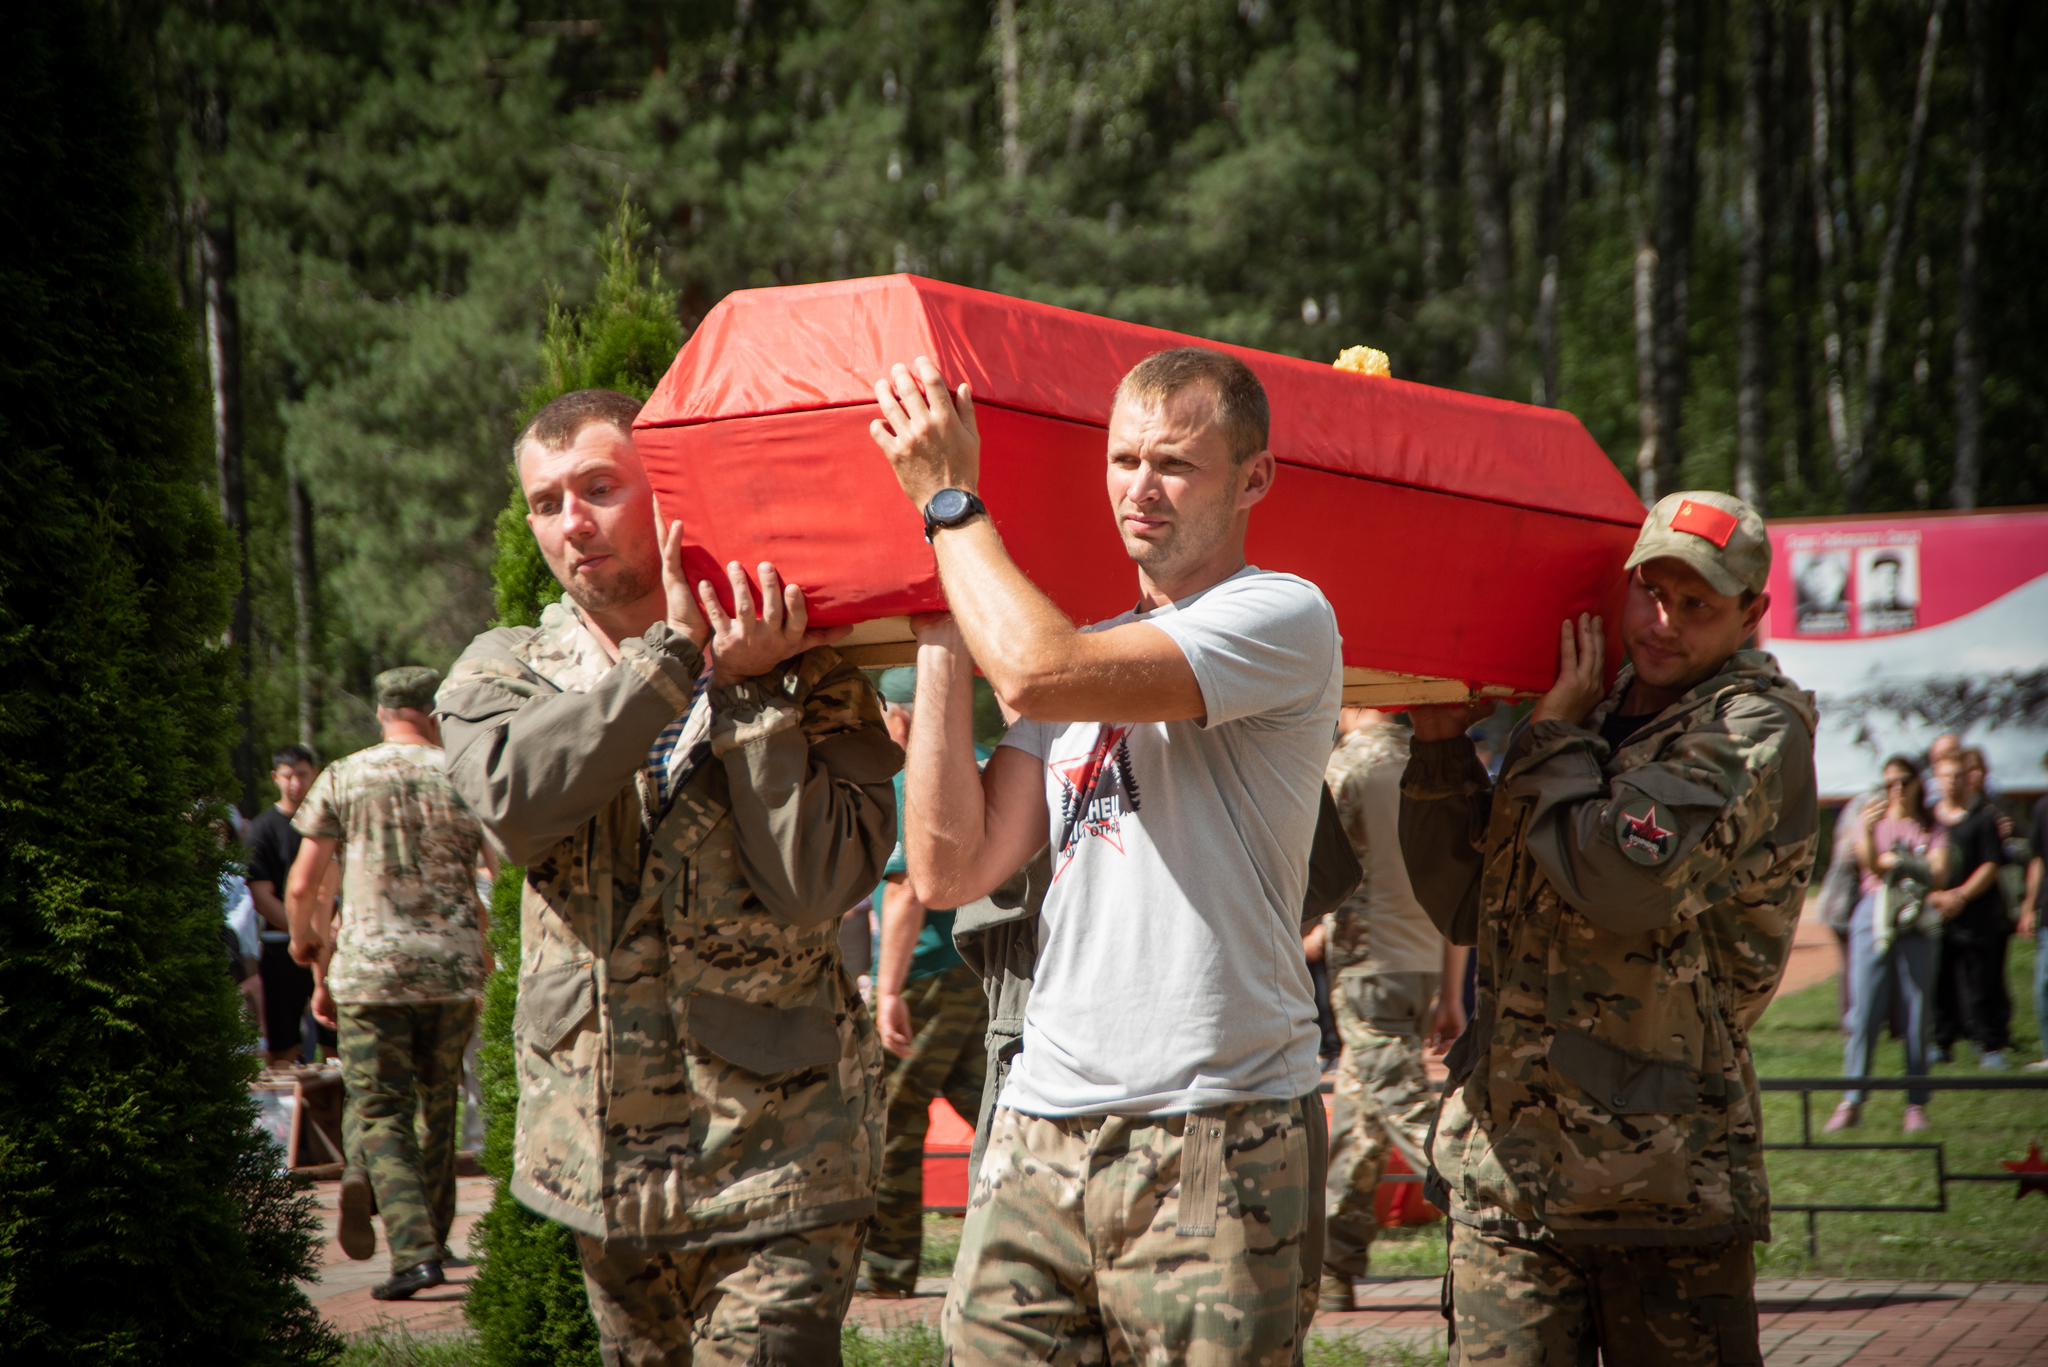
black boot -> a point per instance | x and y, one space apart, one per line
404 1284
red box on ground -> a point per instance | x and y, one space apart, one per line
1451 532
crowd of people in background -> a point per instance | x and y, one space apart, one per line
1915 898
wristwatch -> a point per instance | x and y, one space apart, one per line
950 508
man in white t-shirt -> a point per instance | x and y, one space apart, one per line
1153 1174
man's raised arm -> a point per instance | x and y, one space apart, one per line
535 763
963 832
1032 655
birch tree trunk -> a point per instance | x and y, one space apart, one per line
1874 386
1751 423
1969 360
214 240
1549 216
1015 158
1647 453
1677 138
1836 401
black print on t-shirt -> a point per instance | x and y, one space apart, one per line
1096 792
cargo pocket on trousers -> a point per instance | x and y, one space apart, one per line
552 1003
1201 1176
763 1039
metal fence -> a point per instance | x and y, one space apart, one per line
1807 1086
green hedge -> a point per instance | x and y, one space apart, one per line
143 1218
527 1301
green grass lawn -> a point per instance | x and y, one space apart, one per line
1986 1234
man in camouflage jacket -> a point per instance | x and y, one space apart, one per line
1395 987
699 1080
1632 883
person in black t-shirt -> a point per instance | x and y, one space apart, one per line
273 845
2034 918
1973 940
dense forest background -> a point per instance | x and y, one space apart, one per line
1785 247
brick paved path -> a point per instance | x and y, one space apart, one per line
1805 1323
342 1294
1810 1323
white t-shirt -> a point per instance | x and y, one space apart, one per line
1170 970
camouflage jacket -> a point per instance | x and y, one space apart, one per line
695 1066
1632 913
409 930
1355 789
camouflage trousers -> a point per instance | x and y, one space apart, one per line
1527 1303
1143 1239
948 1058
775 1303
1382 1098
401 1066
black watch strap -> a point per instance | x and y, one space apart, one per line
950 508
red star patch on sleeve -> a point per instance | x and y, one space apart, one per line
1644 836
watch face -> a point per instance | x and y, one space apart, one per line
948 504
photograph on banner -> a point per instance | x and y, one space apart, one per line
1907 627
1887 589
1821 579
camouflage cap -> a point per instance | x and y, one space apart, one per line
898 686
408 686
1717 534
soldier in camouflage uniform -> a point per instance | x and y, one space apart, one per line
1394 986
933 1018
699 1079
1632 884
403 972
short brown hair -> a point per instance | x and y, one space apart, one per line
1241 409
560 421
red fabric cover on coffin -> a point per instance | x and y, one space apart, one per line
1452 532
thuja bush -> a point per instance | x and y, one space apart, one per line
143 1218
527 1300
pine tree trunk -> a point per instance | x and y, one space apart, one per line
305 599
214 236
1489 222
1969 359
1887 273
1751 424
1549 222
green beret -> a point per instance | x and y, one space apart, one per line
898 686
408 686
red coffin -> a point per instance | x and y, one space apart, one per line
1451 532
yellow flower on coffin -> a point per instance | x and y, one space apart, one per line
1365 360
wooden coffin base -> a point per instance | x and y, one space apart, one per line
886 643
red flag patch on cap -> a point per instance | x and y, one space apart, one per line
1704 519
